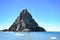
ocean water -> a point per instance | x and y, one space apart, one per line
29 35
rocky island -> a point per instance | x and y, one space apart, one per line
25 23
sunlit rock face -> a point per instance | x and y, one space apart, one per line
25 23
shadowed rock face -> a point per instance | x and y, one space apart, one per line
25 23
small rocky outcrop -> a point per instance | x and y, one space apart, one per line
25 23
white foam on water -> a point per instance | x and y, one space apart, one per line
19 34
53 37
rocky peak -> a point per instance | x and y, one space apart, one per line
25 11
25 22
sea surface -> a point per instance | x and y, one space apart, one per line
29 35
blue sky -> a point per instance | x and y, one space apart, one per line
45 12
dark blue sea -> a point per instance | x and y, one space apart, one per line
29 35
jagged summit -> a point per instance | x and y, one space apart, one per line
25 22
25 11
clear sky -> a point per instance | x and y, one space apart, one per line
45 12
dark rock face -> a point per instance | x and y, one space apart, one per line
25 23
